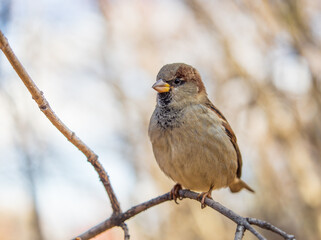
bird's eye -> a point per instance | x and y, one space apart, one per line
177 81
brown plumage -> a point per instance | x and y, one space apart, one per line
192 141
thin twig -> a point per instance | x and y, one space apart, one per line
269 226
44 106
126 231
239 232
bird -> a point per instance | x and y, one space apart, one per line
192 141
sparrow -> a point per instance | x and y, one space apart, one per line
192 141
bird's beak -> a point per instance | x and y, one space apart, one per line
161 86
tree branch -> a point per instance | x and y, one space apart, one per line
126 231
242 222
44 106
118 219
269 226
239 232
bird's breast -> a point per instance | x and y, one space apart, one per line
168 118
192 148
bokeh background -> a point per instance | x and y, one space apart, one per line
95 61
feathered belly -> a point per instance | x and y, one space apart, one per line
197 158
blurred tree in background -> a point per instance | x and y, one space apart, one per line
96 61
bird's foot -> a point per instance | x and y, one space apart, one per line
202 196
174 192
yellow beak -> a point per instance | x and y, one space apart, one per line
161 86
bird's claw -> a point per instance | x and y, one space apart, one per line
202 196
174 194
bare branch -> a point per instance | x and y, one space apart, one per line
117 220
44 106
126 231
239 232
269 226
224 211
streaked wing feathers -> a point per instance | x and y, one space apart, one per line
231 135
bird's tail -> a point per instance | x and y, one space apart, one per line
238 185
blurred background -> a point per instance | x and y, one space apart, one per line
95 61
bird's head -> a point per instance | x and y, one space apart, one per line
178 84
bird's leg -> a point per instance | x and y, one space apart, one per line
204 195
174 192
